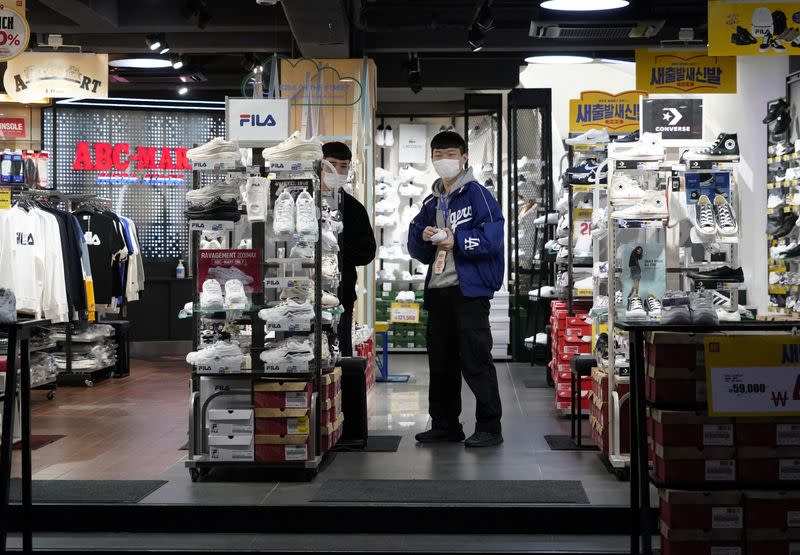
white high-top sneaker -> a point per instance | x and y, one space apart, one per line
653 205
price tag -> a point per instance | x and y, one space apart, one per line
297 425
296 399
718 434
5 199
720 471
789 470
210 225
719 550
296 452
404 313
726 517
787 435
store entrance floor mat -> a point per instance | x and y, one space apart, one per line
452 491
375 444
86 491
566 443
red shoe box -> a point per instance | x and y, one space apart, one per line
772 432
580 320
275 394
764 465
331 409
688 429
565 405
701 542
599 434
282 422
286 448
331 384
690 465
675 385
707 511
772 546
772 510
331 433
568 351
667 352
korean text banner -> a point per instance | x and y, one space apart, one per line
684 72
753 28
619 113
32 76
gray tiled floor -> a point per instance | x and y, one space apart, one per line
401 409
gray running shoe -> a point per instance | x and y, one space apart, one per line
675 308
702 308
8 306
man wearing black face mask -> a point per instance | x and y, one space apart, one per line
356 241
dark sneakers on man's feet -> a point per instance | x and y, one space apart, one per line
483 439
441 436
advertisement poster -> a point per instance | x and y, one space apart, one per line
753 28
12 128
224 264
684 72
708 184
754 376
413 144
32 76
619 113
643 269
676 118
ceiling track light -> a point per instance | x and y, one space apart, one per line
153 42
177 62
250 62
482 23
183 90
414 73
164 48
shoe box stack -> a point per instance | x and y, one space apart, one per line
601 407
331 417
366 349
570 335
692 450
283 416
500 322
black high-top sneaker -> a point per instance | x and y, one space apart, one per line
766 43
742 37
776 110
726 147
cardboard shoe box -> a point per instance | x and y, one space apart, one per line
231 447
688 429
773 542
772 510
279 422
685 386
690 510
768 432
282 448
674 350
769 466
331 384
331 409
701 542
274 394
331 433
230 422
692 465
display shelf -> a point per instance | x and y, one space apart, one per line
287 282
292 166
44 347
211 225
215 165
280 262
83 376
408 350
713 165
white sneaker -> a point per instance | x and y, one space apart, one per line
383 189
408 173
329 300
211 295
212 243
726 316
591 137
302 250
223 274
583 246
388 136
246 244
329 241
625 188
382 175
330 266
288 351
386 206
774 201
221 356
551 218
409 190
653 205
284 212
384 221
256 198
585 283
305 215
409 213
563 202
379 136
635 307
385 275
226 191
298 294
726 220
774 278
235 296
294 149
216 149
546 292
705 223
290 310
647 148
600 270
405 297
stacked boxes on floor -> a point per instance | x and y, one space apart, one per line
692 450
366 349
570 336
331 418
401 336
601 407
500 321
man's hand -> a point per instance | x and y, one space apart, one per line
447 244
428 232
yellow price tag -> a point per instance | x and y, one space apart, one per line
5 199
582 214
584 292
404 313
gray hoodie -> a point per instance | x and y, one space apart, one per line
449 277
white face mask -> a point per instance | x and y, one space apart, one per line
447 168
334 180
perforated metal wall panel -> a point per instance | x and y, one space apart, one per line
154 205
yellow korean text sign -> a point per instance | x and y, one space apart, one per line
753 375
684 72
752 28
619 113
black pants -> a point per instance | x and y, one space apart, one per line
460 343
346 331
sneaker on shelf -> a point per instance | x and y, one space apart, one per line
246 244
216 209
290 310
590 137
784 148
222 274
218 189
588 173
305 214
726 147
546 292
563 241
585 283
211 295
388 137
675 308
386 206
728 316
382 175
618 298
600 307
726 220
562 205
288 351
221 354
601 349
776 109
702 309
383 189
382 220
410 190
215 149
600 270
653 305
783 226
405 297
625 188
583 247
235 296
330 266
329 300
294 149
408 173
775 278
210 243
635 307
284 213
385 275
629 138
724 274
705 223
775 201
302 250
550 218
653 205
329 241
649 147
409 213
298 294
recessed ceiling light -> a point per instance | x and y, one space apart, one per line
583 5
558 60
140 63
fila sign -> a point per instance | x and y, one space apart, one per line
257 122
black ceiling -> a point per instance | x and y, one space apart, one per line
385 30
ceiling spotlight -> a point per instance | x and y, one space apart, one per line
583 5
164 48
183 90
153 42
414 73
177 62
475 37
558 60
482 23
250 62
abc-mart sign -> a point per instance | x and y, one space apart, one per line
257 122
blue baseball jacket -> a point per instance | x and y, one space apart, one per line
477 223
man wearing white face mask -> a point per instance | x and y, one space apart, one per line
459 234
356 241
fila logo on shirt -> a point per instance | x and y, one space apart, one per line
460 216
91 238
23 239
471 243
